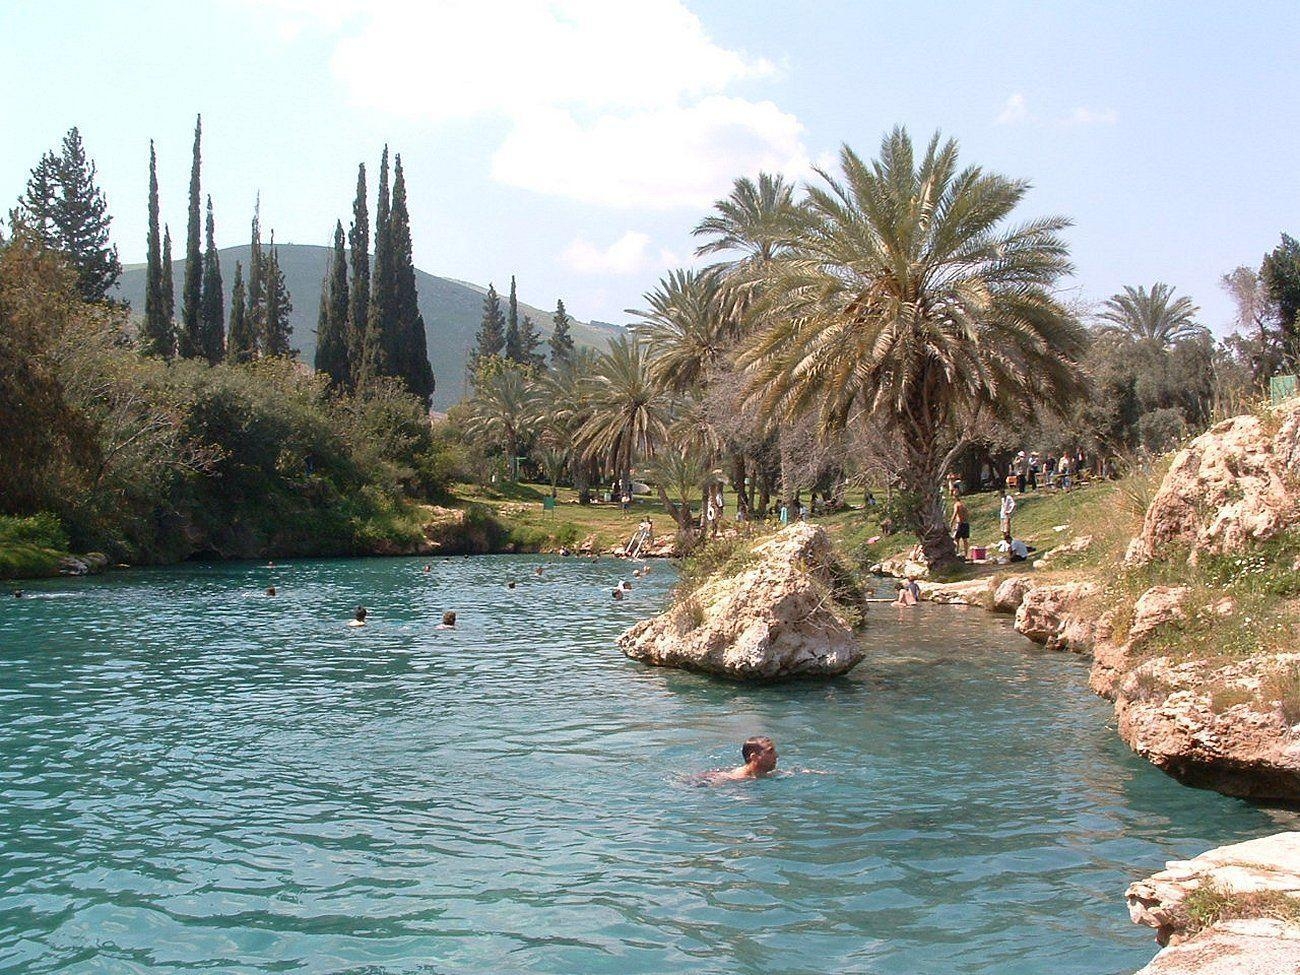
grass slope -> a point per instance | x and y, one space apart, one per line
451 309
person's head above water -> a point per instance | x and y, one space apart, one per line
759 753
449 618
270 590
361 614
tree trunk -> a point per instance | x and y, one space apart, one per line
787 468
582 480
738 482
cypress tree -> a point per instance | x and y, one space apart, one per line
491 338
168 282
190 338
155 333
241 345
333 356
212 310
514 350
561 342
69 213
256 313
275 340
359 296
530 340
381 318
410 354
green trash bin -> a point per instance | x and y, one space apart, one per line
548 504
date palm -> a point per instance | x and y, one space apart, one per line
1153 316
686 328
629 412
907 303
506 407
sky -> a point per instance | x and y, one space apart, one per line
575 143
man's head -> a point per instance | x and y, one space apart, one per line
760 752
1006 536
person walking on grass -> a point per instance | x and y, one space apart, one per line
1006 511
961 525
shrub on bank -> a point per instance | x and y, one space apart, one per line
31 546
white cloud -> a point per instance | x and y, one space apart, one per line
1014 111
1088 116
614 103
663 158
626 255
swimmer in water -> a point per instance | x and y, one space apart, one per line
448 621
617 592
759 754
18 594
537 571
623 584
270 590
359 619
427 568
510 584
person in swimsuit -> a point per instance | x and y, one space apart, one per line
961 525
759 755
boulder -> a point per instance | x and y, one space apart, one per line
774 618
1046 615
1230 486
1213 725
972 592
1157 607
1077 544
1268 866
1010 593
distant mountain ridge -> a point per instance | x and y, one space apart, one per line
452 310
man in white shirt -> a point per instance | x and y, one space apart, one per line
1014 547
1008 508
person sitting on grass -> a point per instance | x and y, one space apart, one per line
1017 550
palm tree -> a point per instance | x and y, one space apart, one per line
679 474
906 303
629 412
506 408
686 327
1153 316
564 392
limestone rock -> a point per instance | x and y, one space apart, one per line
972 592
1157 607
1010 593
1230 486
1214 725
1270 864
1079 543
772 619
1047 612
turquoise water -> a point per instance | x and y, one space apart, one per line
194 776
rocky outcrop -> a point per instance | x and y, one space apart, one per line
1245 890
1230 486
1010 593
1051 615
90 564
1156 609
1221 726
972 592
775 618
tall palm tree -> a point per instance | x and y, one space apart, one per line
564 391
908 303
629 412
1152 316
686 328
506 407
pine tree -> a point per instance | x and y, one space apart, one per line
332 353
514 351
410 354
491 338
212 310
190 337
168 282
561 342
69 213
530 340
359 296
256 311
156 331
279 305
241 344
382 313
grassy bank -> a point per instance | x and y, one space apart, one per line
31 547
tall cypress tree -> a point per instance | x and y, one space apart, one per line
514 351
156 332
168 281
256 313
491 338
333 356
410 353
359 296
68 211
212 310
190 338
561 342
381 317
279 305
530 340
241 344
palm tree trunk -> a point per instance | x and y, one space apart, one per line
786 455
738 481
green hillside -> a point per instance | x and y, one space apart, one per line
451 310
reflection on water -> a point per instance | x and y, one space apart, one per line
195 775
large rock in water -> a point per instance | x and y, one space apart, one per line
1251 878
773 619
1232 485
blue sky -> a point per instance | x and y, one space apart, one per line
575 143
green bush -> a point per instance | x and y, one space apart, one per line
31 546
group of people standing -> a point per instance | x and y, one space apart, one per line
1028 469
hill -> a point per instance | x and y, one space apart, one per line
451 309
